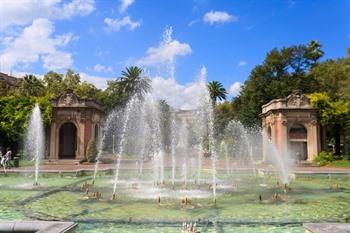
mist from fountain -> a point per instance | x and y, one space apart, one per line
102 141
184 145
129 106
173 147
35 139
140 129
280 160
224 151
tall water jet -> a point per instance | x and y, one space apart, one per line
183 144
236 130
35 139
224 151
102 140
201 123
212 146
173 145
280 160
128 109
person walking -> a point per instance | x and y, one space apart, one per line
7 157
1 157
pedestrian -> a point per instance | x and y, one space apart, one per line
7 157
1 157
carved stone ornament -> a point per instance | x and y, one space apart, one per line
68 99
313 122
297 99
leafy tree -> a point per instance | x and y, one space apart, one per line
32 86
87 90
333 98
165 123
131 83
71 79
224 114
216 91
15 112
333 113
54 84
282 72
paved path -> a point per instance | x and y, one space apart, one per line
73 166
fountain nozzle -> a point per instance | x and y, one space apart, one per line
113 196
36 183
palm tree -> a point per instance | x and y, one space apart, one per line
216 91
32 86
129 84
133 83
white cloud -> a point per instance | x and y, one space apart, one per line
235 88
179 96
166 52
117 24
102 68
212 17
36 43
124 5
242 63
57 60
99 82
193 22
23 12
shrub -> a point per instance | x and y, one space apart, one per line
91 151
324 158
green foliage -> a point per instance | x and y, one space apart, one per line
323 158
31 86
331 112
216 91
91 151
131 83
165 123
340 163
223 115
15 111
282 72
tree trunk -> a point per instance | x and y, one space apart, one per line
337 134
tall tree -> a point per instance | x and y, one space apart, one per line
333 98
281 72
216 91
130 83
54 84
32 86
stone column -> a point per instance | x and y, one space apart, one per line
53 155
80 141
313 141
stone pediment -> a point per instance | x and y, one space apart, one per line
297 99
72 100
68 99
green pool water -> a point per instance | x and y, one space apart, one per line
312 198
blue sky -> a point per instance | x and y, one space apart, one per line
98 38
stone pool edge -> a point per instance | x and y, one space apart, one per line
37 226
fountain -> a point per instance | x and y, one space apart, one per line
35 141
129 106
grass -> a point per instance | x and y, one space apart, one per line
340 163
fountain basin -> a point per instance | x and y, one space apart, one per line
60 198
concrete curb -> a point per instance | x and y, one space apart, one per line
36 226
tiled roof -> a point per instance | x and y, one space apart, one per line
10 80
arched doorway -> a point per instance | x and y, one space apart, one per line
269 133
96 132
298 142
67 141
